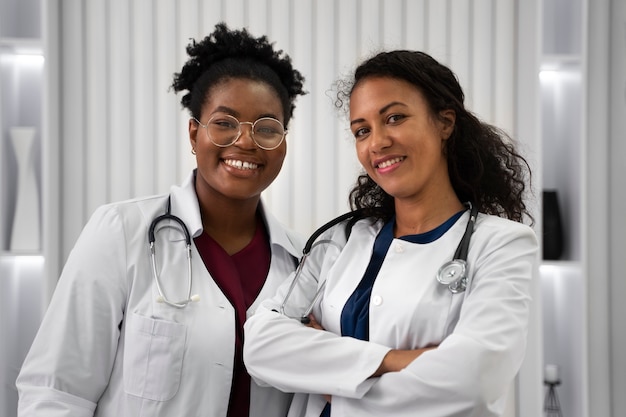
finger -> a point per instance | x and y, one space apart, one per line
314 323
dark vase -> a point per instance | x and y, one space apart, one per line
552 226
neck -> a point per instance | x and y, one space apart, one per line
231 223
423 216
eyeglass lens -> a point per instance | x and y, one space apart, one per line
224 130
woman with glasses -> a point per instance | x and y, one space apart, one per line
147 318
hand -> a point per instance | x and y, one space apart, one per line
396 360
314 323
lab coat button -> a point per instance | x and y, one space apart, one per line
377 300
399 248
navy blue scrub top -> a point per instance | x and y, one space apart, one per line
355 314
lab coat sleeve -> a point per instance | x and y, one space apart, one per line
470 372
292 357
286 354
70 361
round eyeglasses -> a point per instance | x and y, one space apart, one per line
224 130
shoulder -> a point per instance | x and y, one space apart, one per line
487 223
497 231
126 220
126 214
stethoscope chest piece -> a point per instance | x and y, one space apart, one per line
453 274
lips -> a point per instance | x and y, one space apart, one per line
389 162
244 165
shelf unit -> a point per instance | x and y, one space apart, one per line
563 127
22 272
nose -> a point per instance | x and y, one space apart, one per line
245 139
379 139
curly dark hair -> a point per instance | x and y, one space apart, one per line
484 165
226 54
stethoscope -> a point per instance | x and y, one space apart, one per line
162 298
453 273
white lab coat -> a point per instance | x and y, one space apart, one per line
481 333
107 348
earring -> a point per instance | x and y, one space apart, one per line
193 151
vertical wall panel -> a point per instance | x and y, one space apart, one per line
346 56
72 126
300 142
437 35
527 129
234 12
369 29
482 60
118 105
325 159
257 16
96 96
211 13
143 98
392 27
279 31
193 21
166 137
416 24
460 47
504 76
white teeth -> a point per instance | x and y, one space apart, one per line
390 162
240 164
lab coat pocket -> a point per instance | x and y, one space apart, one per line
153 357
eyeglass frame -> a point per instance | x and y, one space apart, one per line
252 124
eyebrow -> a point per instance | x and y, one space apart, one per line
236 114
224 109
381 111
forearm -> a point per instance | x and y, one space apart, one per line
292 357
458 378
396 360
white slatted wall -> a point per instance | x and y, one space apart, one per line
123 133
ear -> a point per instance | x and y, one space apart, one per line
193 132
447 121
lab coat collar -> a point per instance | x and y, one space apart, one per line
279 235
185 205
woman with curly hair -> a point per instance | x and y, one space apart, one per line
128 331
399 329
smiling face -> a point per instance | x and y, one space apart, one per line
399 142
243 170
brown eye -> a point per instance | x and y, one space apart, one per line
395 118
360 133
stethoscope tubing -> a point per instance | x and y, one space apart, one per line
151 241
